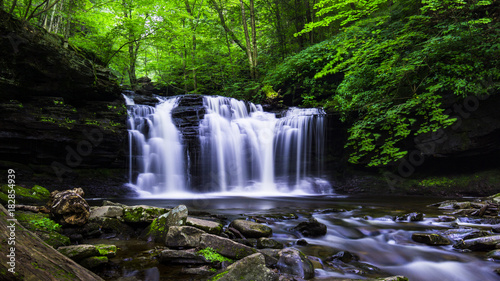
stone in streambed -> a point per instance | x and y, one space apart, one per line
182 257
205 225
252 267
79 252
294 262
183 237
431 239
496 228
142 214
225 247
106 211
481 243
251 229
311 228
106 250
93 262
410 217
495 254
158 229
263 243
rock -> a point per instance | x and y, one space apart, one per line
496 228
251 267
177 216
202 270
481 243
142 214
106 211
495 254
250 242
393 278
293 262
251 229
68 207
344 256
184 236
431 239
445 219
410 217
460 234
93 262
106 250
225 247
109 228
311 228
34 195
268 243
79 252
205 225
302 242
182 257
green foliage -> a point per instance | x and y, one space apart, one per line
211 255
47 224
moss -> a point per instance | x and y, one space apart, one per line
106 250
43 227
37 194
211 255
218 276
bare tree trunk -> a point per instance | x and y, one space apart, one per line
254 39
248 48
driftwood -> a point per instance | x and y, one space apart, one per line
68 207
34 209
32 258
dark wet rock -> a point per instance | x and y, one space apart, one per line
250 242
460 234
393 278
294 262
182 257
225 247
184 236
479 244
68 207
271 256
142 213
106 211
344 256
302 242
445 219
494 254
93 262
496 228
79 252
475 220
330 210
202 270
311 228
410 217
205 225
268 243
251 229
252 267
497 271
289 277
431 239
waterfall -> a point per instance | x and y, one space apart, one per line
156 151
242 149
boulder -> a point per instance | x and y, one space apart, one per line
460 234
108 228
79 252
252 267
183 236
496 228
251 229
344 256
495 254
431 239
106 211
106 250
205 225
292 261
410 217
268 243
177 216
311 228
225 247
142 214
93 262
68 207
481 243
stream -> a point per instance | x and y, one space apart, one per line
362 225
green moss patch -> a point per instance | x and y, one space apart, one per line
211 255
45 228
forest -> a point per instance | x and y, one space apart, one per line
386 66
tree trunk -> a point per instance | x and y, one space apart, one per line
279 31
254 39
226 28
248 48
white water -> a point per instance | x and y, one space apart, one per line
156 151
243 150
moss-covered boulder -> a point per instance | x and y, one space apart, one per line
252 267
79 252
106 250
251 229
23 195
142 213
158 229
45 228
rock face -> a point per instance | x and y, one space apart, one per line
69 208
251 229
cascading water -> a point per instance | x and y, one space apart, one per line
156 151
242 149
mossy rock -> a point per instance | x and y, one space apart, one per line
94 262
45 228
106 250
142 214
34 195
